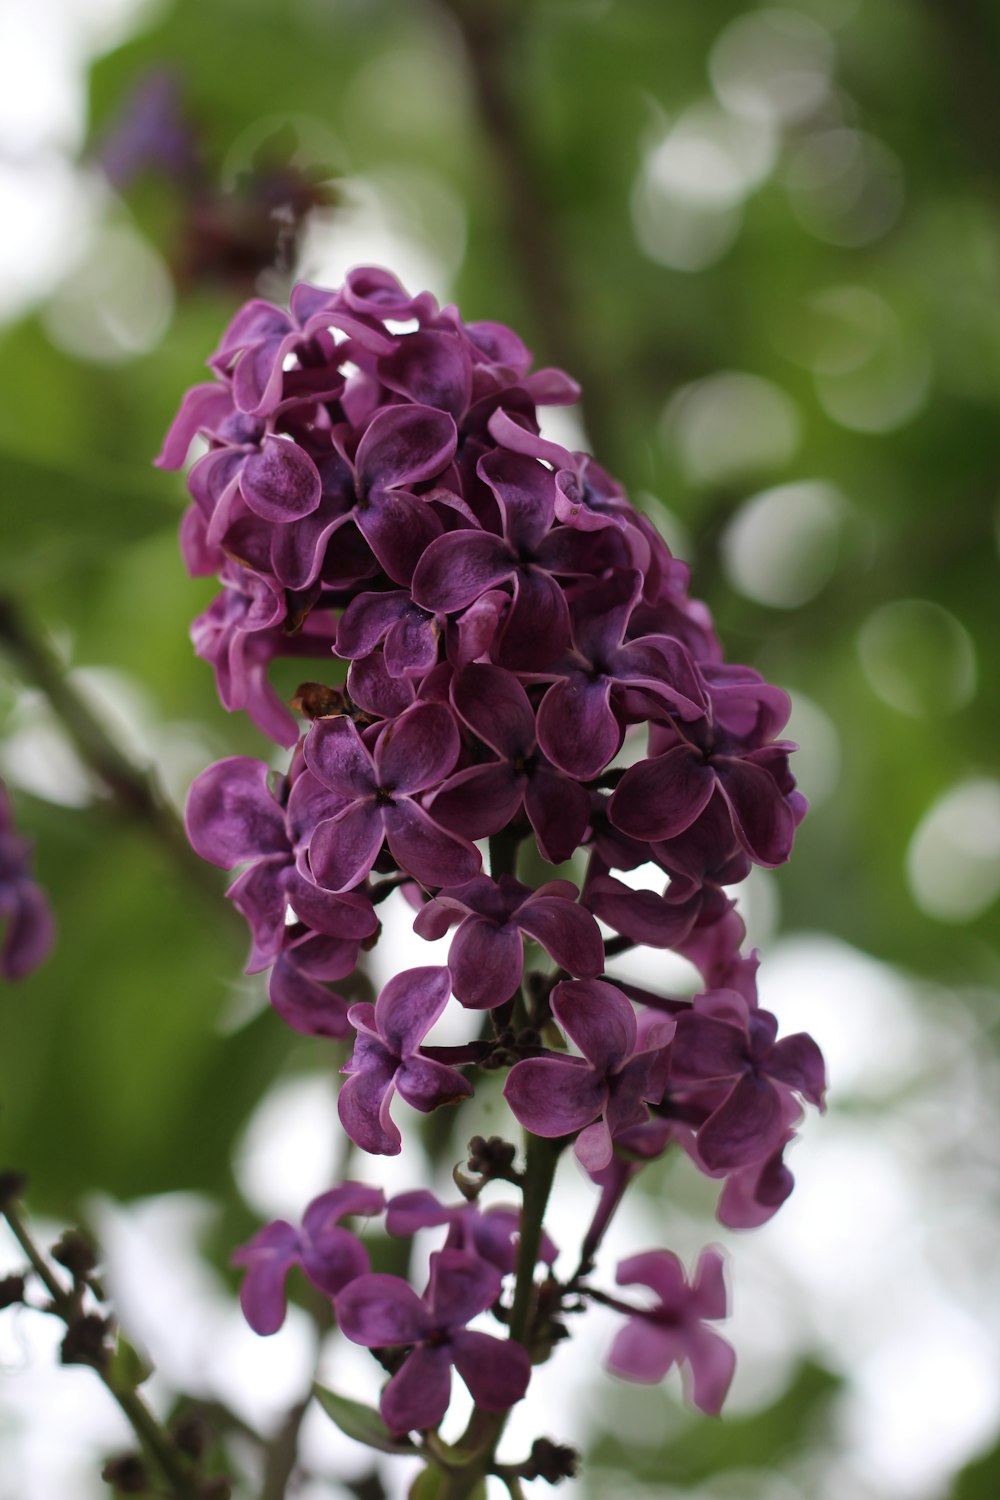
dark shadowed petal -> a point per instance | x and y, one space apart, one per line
558 810
479 801
367 620
305 1004
418 1394
497 1371
337 755
535 632
426 1084
526 492
598 1018
431 368
281 482
458 567
706 1048
231 816
659 798
762 819
419 749
349 916
403 445
370 687
259 894
567 932
746 1127
380 1311
398 528
486 962
409 1005
344 848
576 727
553 1096
460 1287
426 851
643 915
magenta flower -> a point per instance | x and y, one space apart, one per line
720 1040
381 1311
486 957
328 1254
31 929
674 1332
606 1090
378 792
387 1059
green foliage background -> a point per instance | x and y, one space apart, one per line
114 1074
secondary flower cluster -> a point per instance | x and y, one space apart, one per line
24 906
498 623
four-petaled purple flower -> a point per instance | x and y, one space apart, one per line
387 1059
383 1311
329 1254
674 1332
486 957
606 1090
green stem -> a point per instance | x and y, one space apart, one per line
155 1440
133 787
503 855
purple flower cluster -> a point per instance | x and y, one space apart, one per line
376 494
24 908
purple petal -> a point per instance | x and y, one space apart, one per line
710 1298
535 632
231 816
427 1085
343 849
433 369
30 934
398 528
497 1371
661 1271
460 1287
337 755
763 820
706 1048
370 687
526 493
558 810
642 915
418 750
305 1004
381 1311
496 708
334 1259
268 1257
598 1018
367 620
797 1062
458 568
203 406
554 1096
417 1209
659 798
426 851
403 445
576 727
712 1362
567 932
259 895
486 962
643 1351
281 482
478 801
746 1127
418 1394
409 1005
363 1106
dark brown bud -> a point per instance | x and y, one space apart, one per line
11 1291
75 1251
191 1433
126 1474
314 700
551 1461
84 1343
493 1158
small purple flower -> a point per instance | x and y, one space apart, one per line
490 1233
378 793
674 1332
603 1092
31 929
486 957
381 1311
329 1255
387 1059
720 1040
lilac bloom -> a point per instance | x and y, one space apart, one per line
586 497
233 818
721 1040
674 1332
642 915
581 719
460 566
377 793
408 634
382 1311
486 957
329 1255
24 907
484 798
606 1090
492 1234
387 1059
298 988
